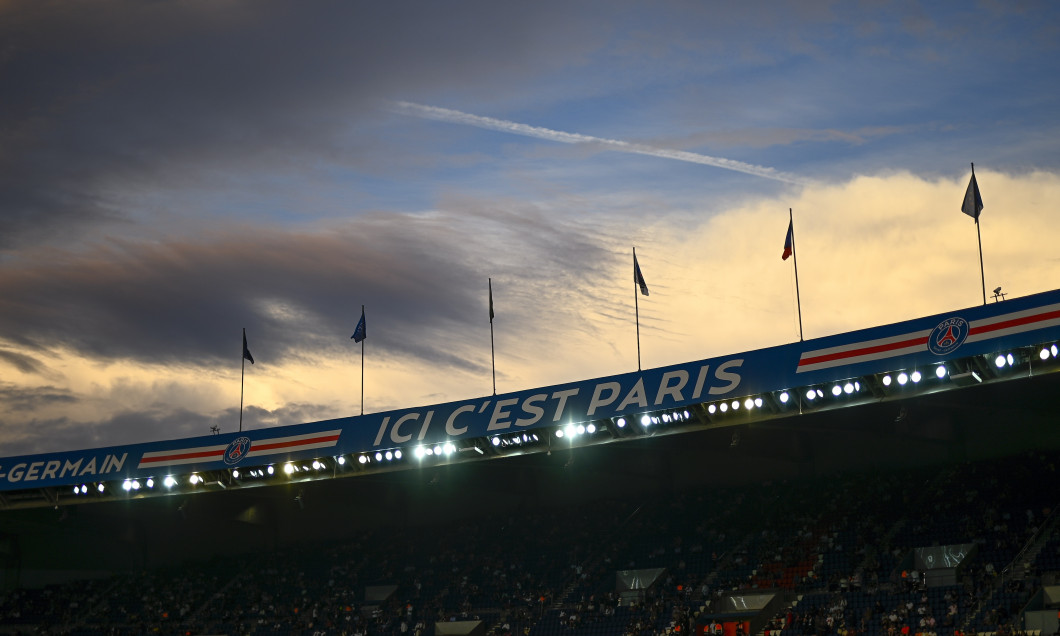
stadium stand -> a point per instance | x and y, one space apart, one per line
838 546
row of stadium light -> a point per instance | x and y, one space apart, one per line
894 380
516 440
132 486
958 372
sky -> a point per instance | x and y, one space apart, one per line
172 172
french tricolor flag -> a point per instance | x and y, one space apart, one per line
788 242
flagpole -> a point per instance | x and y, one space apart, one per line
493 355
979 236
362 365
242 373
795 259
636 308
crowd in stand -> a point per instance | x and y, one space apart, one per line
842 543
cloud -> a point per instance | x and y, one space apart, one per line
111 98
24 363
184 302
456 117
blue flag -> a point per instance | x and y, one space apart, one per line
246 351
360 333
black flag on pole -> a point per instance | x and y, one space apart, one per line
246 351
638 278
973 201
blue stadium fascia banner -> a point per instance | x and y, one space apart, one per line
989 329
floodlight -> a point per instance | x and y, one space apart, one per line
418 452
940 371
1011 360
621 422
559 432
837 390
389 455
1044 354
903 378
999 361
748 403
581 429
341 459
397 454
811 394
496 441
126 485
784 397
101 488
915 376
723 406
169 481
378 456
150 482
711 409
270 469
886 380
591 428
645 420
758 403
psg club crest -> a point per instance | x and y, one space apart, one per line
237 450
947 336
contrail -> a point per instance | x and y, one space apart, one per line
489 123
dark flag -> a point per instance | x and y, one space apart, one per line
360 333
491 300
638 278
973 201
246 351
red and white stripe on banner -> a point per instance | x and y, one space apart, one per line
915 342
258 448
